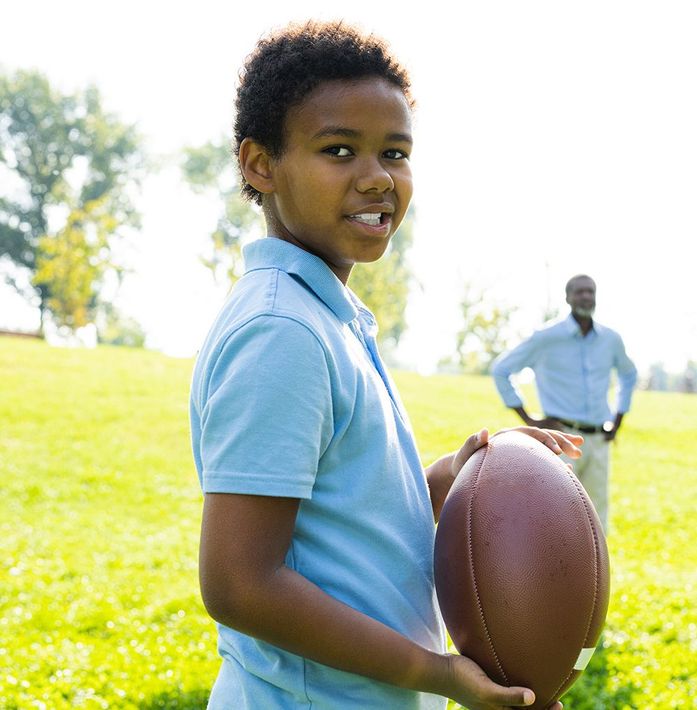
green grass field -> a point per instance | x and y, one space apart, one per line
100 511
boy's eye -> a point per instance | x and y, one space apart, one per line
340 151
396 154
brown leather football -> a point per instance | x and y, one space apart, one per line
521 567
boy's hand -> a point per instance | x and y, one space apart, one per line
558 441
471 687
442 473
473 442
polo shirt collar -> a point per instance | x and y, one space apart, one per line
274 253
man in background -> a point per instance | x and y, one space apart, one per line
572 360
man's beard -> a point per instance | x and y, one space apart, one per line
585 312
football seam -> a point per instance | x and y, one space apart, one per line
596 561
474 578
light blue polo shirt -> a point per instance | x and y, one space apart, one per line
290 398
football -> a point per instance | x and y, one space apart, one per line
521 567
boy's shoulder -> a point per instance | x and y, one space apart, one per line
271 293
266 319
288 301
268 307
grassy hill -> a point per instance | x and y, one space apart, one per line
100 513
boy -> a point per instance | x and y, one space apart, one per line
318 520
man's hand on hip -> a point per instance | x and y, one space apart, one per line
545 423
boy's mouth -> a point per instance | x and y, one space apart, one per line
373 219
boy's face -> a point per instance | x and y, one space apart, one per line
343 183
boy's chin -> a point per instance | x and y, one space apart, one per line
376 256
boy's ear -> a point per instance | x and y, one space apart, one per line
255 165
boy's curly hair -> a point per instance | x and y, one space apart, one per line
288 64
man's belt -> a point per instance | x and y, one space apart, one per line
580 426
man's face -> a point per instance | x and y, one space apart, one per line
581 297
343 183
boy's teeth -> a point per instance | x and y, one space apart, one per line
370 218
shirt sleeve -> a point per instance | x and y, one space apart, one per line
626 376
508 364
267 415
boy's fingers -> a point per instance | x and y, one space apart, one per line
511 697
480 691
560 442
472 443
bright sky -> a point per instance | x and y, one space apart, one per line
551 138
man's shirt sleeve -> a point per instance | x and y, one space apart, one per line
508 364
267 412
627 377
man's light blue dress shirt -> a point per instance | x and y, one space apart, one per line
572 372
290 398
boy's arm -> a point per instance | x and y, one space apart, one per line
246 586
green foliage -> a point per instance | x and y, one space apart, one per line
210 169
484 332
72 264
60 154
100 514
384 285
113 328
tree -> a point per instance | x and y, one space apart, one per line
71 265
689 377
484 332
658 377
62 156
210 168
114 328
384 285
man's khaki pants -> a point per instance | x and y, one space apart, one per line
593 470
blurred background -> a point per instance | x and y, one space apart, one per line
551 139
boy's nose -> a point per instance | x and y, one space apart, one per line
373 177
